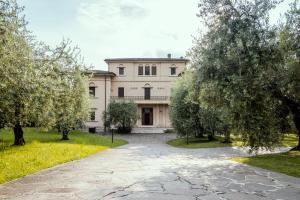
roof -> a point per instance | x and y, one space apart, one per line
100 72
146 59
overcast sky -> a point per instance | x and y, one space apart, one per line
119 28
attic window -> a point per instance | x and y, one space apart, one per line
147 70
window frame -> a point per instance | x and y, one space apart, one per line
140 69
175 73
147 67
121 92
94 91
147 93
92 115
153 67
121 68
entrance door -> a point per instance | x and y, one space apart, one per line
147 116
147 93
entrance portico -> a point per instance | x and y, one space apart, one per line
153 115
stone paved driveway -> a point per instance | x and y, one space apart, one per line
147 168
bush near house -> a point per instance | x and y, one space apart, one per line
123 115
46 149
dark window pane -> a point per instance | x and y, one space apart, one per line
153 70
120 92
173 70
121 70
92 91
92 130
92 116
147 93
141 69
147 70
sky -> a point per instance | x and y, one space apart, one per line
119 28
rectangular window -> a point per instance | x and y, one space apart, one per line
92 116
141 69
147 93
153 70
173 71
92 91
147 70
120 92
121 70
92 130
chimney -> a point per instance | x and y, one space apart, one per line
169 55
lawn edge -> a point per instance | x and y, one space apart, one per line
64 163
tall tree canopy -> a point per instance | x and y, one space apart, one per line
38 85
249 68
189 116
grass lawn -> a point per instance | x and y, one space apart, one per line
286 163
290 140
46 149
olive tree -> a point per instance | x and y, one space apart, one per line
239 61
38 84
184 107
19 79
123 115
189 116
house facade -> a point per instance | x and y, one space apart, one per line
145 81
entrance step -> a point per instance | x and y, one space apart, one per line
150 130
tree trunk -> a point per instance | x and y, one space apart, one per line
199 132
227 138
295 110
297 124
18 132
294 107
65 135
227 135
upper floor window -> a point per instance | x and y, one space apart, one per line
122 71
153 70
141 70
147 70
173 71
93 116
120 92
147 93
92 91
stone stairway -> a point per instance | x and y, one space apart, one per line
149 130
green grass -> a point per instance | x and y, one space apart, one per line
290 140
46 149
203 143
286 163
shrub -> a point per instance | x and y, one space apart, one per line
123 115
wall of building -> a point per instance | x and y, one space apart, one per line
134 84
97 103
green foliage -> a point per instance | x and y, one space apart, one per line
123 115
243 72
188 115
45 149
38 85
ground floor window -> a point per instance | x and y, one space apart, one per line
92 130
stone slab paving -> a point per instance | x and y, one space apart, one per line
147 168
